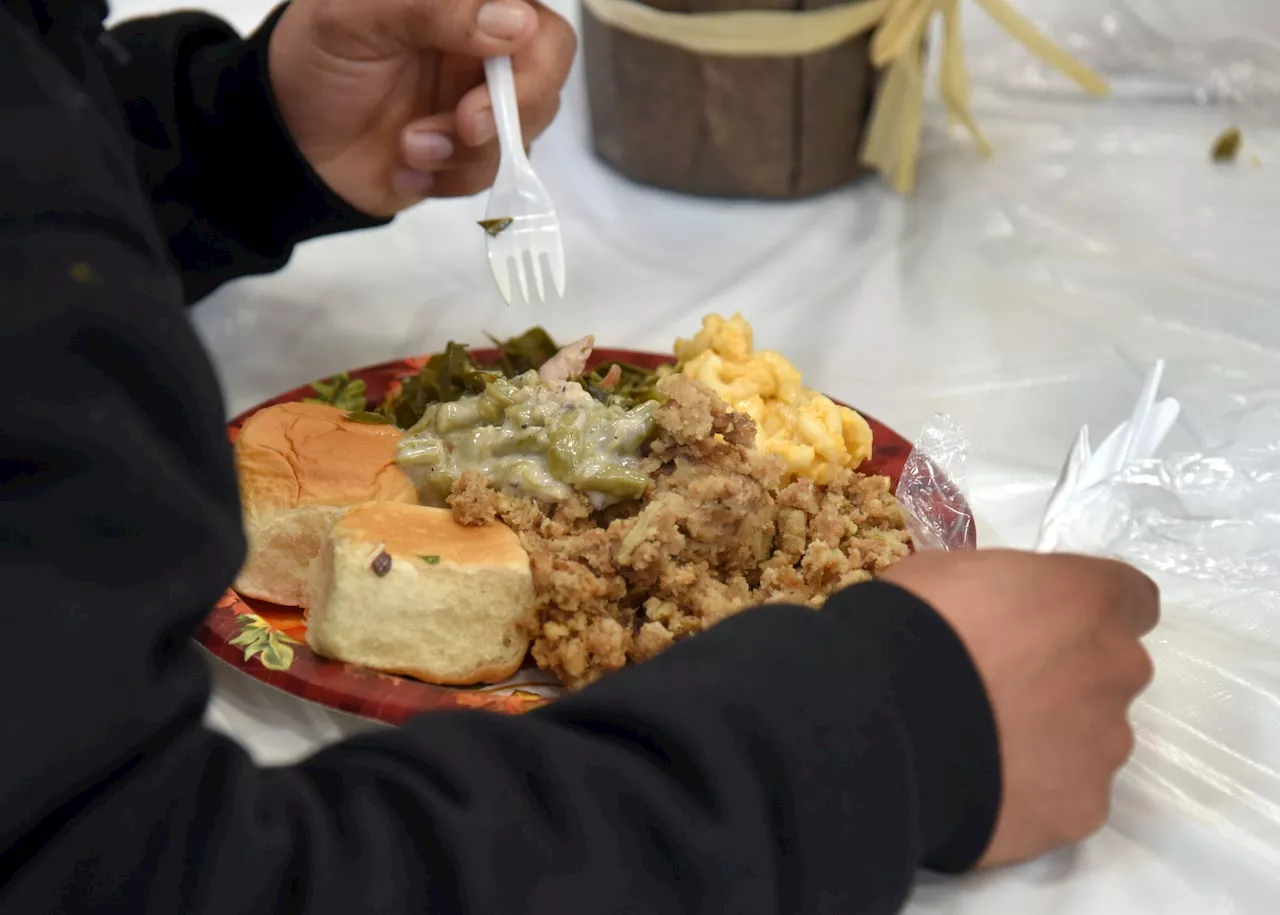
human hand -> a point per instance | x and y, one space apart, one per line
386 98
1056 641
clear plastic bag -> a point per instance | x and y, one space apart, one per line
931 488
1208 518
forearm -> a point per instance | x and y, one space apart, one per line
230 191
706 795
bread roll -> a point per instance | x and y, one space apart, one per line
405 589
300 465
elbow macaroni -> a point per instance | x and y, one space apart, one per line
814 437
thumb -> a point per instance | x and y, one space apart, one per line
476 28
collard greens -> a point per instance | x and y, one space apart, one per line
453 374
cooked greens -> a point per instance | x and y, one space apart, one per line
446 377
495 227
525 353
340 391
453 374
635 386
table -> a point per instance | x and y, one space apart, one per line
1023 296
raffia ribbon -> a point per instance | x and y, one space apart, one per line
891 144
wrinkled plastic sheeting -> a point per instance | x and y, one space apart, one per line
1155 50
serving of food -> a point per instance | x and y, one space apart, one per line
488 528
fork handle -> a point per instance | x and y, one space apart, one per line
506 112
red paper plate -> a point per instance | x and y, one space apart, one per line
267 641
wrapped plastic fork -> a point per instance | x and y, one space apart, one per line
1135 440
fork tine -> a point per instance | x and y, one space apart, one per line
502 277
537 274
555 257
521 276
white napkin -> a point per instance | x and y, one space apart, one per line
1136 439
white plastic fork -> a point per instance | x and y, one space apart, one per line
518 196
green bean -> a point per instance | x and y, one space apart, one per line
427 452
460 414
479 443
491 409
544 414
501 390
631 430
527 475
524 441
426 422
611 479
525 415
564 452
441 484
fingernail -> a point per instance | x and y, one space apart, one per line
486 128
408 183
504 21
427 147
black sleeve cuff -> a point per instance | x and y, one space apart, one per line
947 716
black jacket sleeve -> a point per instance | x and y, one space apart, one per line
230 192
786 762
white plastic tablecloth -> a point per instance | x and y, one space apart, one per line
1024 296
